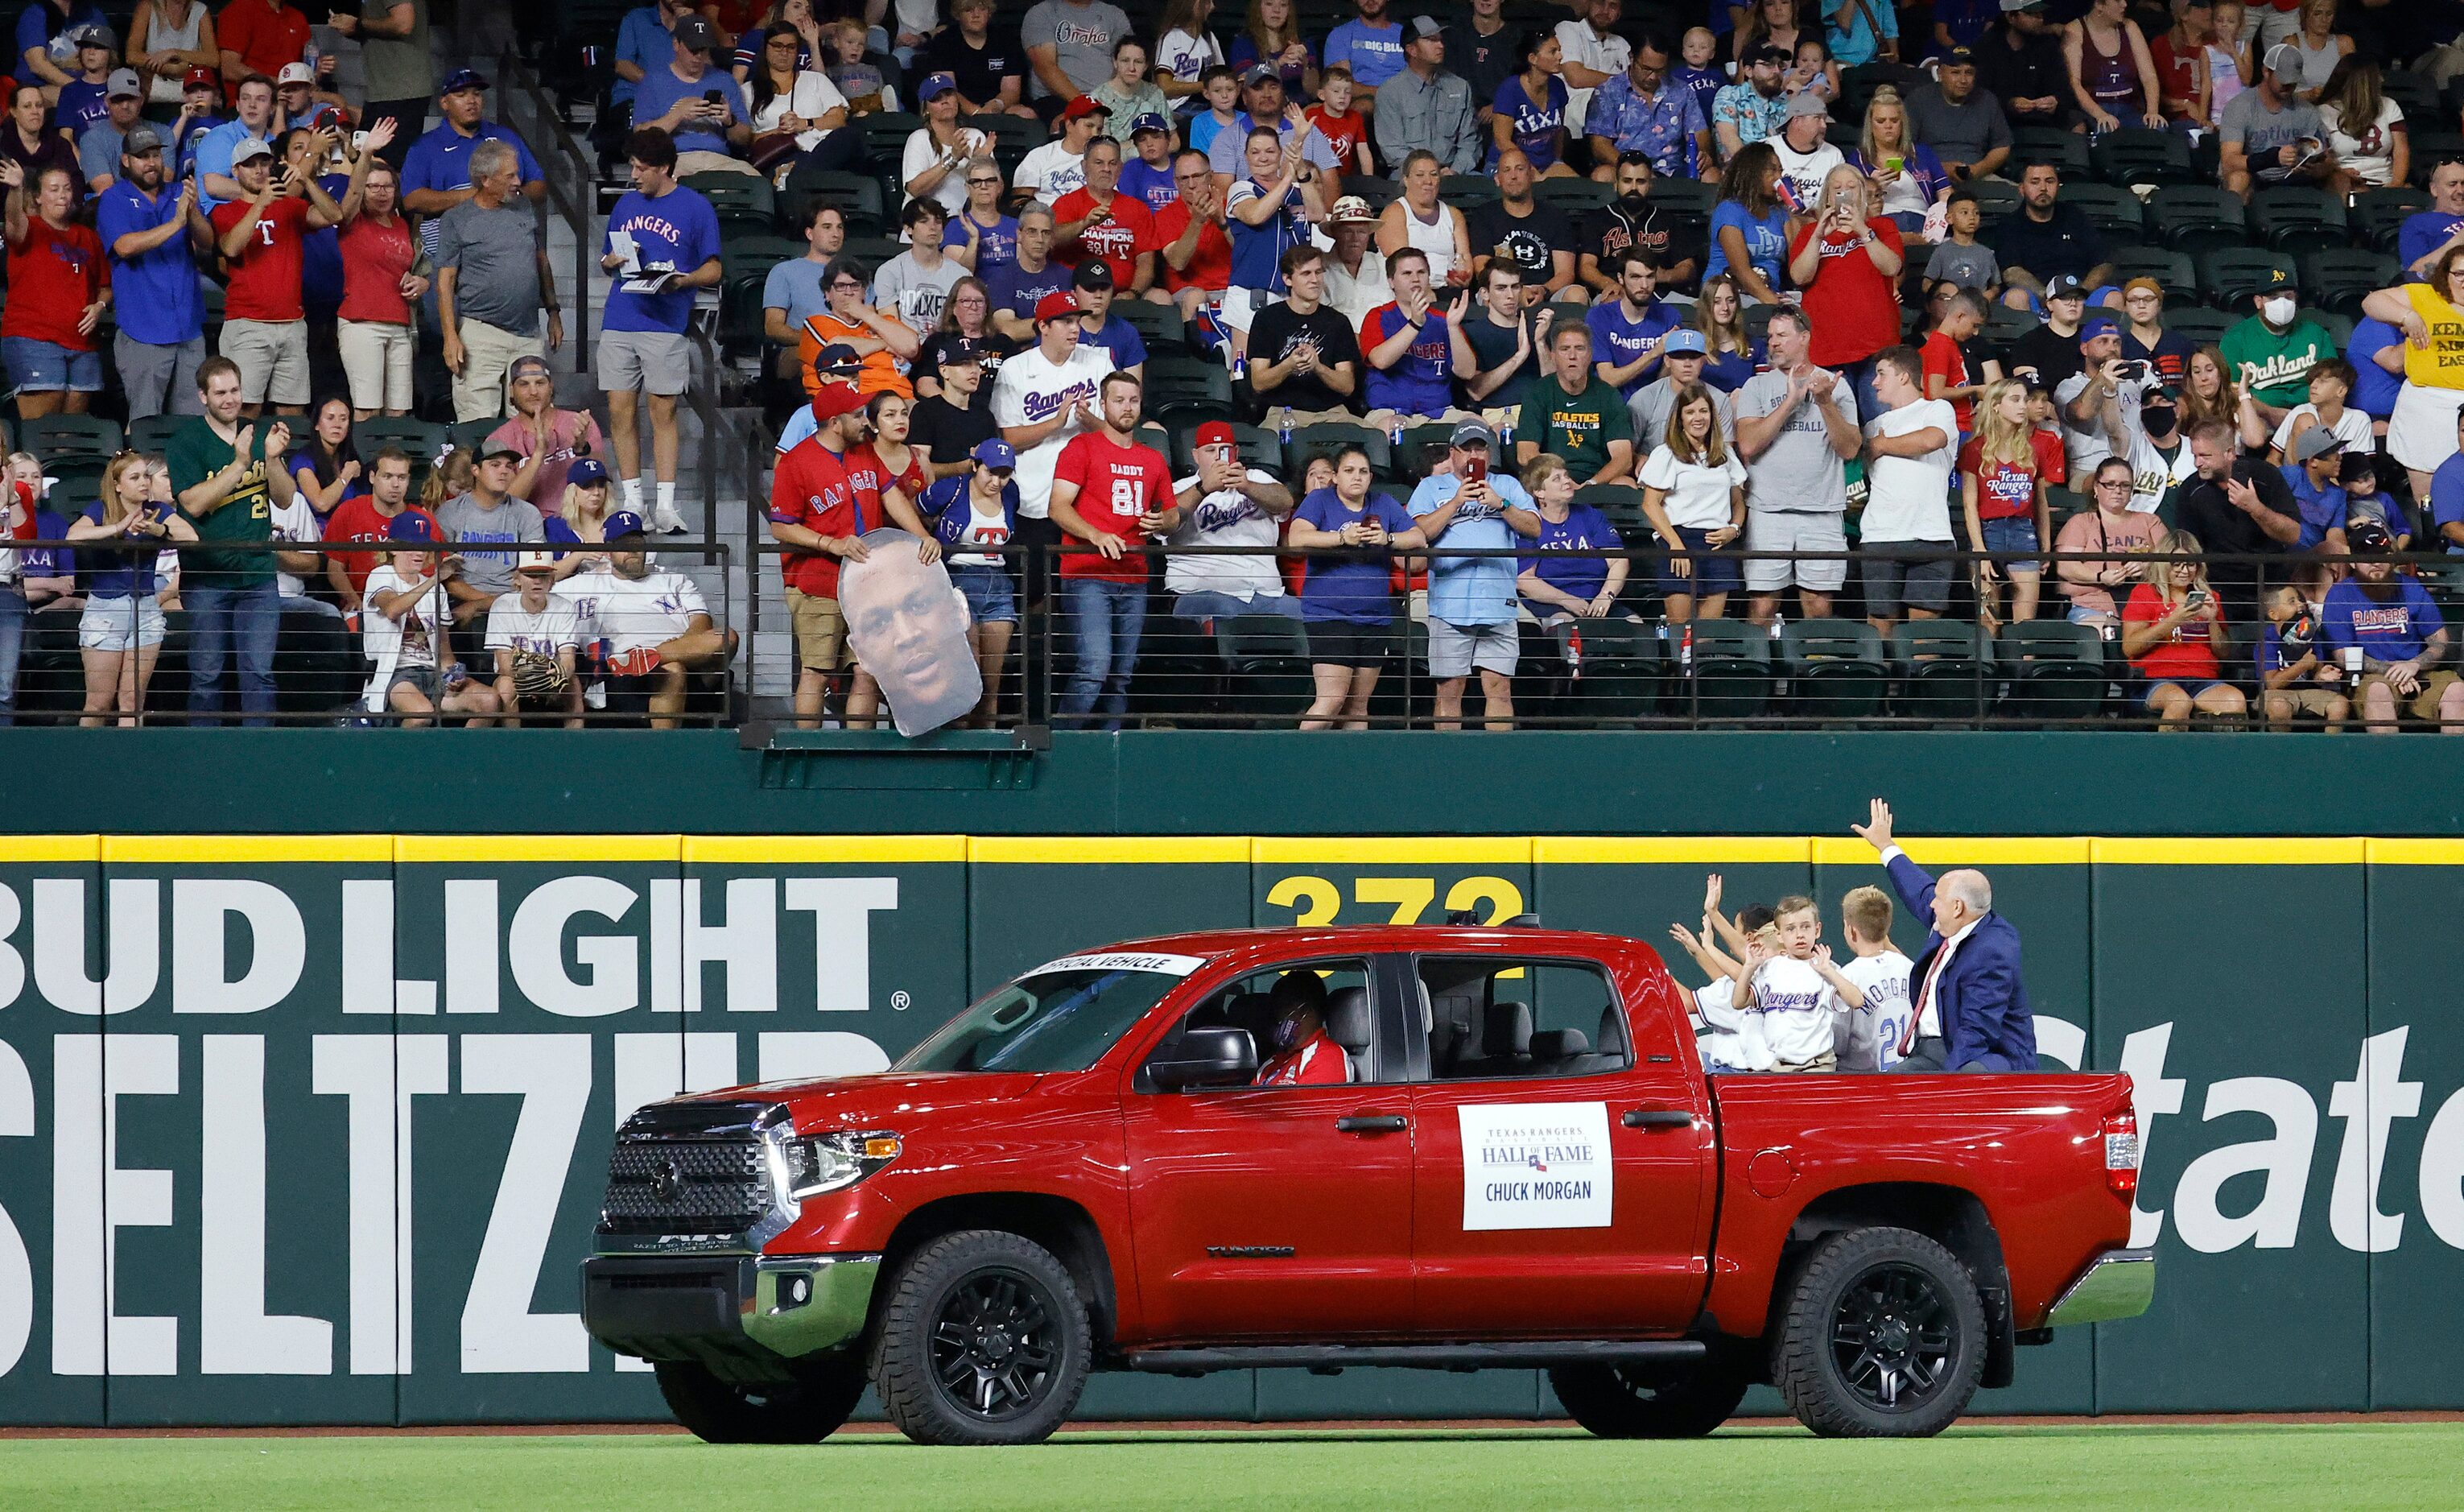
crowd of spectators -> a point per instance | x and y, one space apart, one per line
1834 328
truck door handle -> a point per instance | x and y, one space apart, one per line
1658 1119
1372 1123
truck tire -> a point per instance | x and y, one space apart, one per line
1882 1336
983 1339
1624 1402
805 1412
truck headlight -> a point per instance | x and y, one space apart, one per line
824 1162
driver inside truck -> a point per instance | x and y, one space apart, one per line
1305 1053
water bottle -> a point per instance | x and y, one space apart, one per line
1396 434
1574 654
1240 369
1686 652
1283 424
1777 621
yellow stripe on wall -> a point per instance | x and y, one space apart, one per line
243 850
1109 849
2413 853
29 850
1581 850
822 850
1957 850
548 848
1394 851
2239 850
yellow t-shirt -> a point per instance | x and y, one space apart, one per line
2440 365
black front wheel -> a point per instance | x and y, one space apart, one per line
802 1411
984 1339
1881 1337
1614 1401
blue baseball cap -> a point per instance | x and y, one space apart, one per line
587 472
620 524
412 529
936 85
460 79
1685 340
996 453
1149 122
2096 325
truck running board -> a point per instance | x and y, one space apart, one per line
1326 1357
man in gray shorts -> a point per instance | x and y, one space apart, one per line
1797 424
492 282
662 243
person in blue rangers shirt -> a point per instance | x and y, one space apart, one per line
436 171
1628 331
972 514
1471 620
2391 620
673 234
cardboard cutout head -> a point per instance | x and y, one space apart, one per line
907 623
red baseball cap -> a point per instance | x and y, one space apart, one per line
1085 105
205 76
1056 305
836 399
1215 433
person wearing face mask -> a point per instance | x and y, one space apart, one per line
2160 458
1305 1055
2270 352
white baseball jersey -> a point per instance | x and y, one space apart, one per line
514 627
1884 1021
1796 1008
1726 1038
1050 171
635 615
1031 389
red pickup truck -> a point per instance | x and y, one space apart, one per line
1515 1160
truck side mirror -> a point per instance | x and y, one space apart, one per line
1209 1055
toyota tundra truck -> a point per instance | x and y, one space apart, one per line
1524 1167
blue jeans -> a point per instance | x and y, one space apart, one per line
220 620
12 641
1105 619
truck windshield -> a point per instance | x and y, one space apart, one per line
1050 1020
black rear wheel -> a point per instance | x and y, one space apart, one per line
1883 1337
1616 1401
802 1411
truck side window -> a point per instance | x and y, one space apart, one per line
1251 1003
1489 1018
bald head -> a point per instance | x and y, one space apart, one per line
1959 898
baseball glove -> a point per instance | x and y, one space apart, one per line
537 676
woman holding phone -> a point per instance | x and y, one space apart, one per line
1847 260
1907 176
2172 629
120 634
1348 599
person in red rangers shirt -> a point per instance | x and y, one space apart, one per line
1098 222
813 510
1110 492
265 325
58 287
1306 1055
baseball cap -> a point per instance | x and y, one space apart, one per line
2096 325
838 357
1215 432
2066 287
1806 104
1262 74
200 78
1149 122
936 85
141 140
2284 61
2276 275
1092 275
996 453
620 524
535 562
95 37
1765 53
2150 284
836 399
585 472
2357 466
250 150
417 530
294 73
462 79
1959 57
1420 28
2009 5
2367 536
696 34
2316 442
123 84
961 351
527 364
1351 208
1056 305
1472 432
1685 339
489 450
1085 105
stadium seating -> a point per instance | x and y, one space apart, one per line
2054 670
1836 668
1945 668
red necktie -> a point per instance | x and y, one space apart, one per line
1924 996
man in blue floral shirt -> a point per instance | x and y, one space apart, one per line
1638 111
1755 108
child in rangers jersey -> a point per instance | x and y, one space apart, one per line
979 509
533 637
1725 1038
1788 994
1872 990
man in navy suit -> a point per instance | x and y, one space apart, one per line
1971 1006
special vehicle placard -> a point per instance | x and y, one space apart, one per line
1125 960
1536 1165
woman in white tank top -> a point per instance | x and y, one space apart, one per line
1420 221
165 39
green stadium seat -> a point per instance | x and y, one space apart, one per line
2140 155
1945 668
1266 662
2193 218
2229 275
1624 672
2172 271
53 437
2056 669
2114 212
2339 279
1329 437
2297 220
154 433
2379 213
2203 326
1837 668
2065 150
1731 678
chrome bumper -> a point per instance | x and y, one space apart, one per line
2118 1284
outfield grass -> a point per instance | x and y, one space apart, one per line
2174 1468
